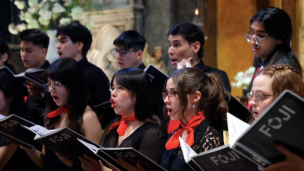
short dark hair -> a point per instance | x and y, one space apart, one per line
138 82
191 33
130 39
36 36
77 33
70 74
13 88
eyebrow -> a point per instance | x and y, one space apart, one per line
176 41
173 88
27 48
260 31
62 38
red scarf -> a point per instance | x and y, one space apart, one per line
173 142
122 124
173 125
57 112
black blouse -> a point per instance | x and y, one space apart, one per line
52 162
206 137
19 161
148 139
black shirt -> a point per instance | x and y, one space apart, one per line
36 107
20 160
52 162
142 66
148 139
98 87
206 137
222 74
97 81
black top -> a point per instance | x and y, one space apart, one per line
19 161
97 81
98 87
142 66
206 137
222 74
36 107
148 139
52 162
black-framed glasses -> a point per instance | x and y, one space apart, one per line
257 39
55 85
258 97
170 94
122 53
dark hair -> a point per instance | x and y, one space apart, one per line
192 33
4 48
13 88
130 39
71 76
278 25
77 33
36 36
138 82
213 95
284 77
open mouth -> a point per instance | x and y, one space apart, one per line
113 105
255 114
60 54
173 60
169 111
55 98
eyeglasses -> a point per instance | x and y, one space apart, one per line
55 85
259 97
257 39
122 53
171 94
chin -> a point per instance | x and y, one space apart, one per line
173 118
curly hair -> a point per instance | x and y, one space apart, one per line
284 77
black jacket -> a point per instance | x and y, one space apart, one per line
222 74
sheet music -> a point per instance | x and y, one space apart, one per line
236 128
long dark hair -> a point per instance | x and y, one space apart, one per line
71 76
12 88
138 82
277 24
213 95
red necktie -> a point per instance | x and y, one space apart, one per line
173 125
259 68
122 124
58 112
173 142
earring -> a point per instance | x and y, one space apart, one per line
193 106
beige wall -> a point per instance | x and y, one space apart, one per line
234 53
